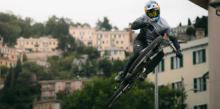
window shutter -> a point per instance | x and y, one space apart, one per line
203 55
171 62
181 62
195 107
195 85
194 58
163 66
173 86
205 106
204 84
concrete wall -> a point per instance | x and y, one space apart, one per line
188 72
214 63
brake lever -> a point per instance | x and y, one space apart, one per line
167 39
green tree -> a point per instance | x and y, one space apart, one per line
105 66
189 22
20 89
12 76
12 27
36 70
60 67
115 28
9 32
25 26
38 29
59 28
104 25
180 24
117 65
190 31
202 22
96 93
92 52
3 71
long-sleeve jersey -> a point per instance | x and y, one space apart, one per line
149 30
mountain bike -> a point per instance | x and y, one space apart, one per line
137 66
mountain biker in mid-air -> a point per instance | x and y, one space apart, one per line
150 24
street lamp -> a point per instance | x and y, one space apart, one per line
216 5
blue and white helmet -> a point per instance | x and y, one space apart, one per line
152 10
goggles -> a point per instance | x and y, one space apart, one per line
153 13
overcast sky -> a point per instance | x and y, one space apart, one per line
120 12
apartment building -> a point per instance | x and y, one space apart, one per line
180 31
113 54
49 90
213 8
42 44
104 41
85 34
114 39
8 55
190 72
38 49
49 104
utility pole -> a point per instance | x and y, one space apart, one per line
0 74
156 92
182 93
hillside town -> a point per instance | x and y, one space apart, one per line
60 64
112 45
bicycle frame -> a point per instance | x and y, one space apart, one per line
144 54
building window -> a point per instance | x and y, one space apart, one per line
204 106
90 43
177 85
81 33
159 67
200 84
100 36
176 62
199 56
